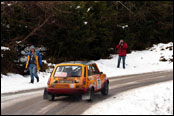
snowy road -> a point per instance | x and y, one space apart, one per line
32 102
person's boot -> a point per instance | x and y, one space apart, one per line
32 81
37 79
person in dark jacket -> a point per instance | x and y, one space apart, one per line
34 63
122 47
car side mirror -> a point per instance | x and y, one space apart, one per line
101 72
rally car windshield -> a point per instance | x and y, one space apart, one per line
68 71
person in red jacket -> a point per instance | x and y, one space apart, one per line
122 46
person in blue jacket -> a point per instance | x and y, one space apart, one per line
34 62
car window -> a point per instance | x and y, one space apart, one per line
68 71
90 70
95 70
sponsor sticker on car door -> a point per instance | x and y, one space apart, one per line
98 83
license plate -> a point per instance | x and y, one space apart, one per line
65 81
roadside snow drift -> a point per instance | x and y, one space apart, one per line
15 82
140 61
152 100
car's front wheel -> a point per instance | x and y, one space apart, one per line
105 90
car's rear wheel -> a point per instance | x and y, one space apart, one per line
45 95
105 90
51 97
91 94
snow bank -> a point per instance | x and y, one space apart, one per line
15 82
145 101
139 61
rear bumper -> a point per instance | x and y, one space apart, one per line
67 91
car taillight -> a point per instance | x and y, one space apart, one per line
49 81
84 81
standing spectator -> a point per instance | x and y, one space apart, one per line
122 46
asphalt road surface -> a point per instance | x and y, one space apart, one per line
32 103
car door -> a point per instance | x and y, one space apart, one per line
97 76
91 77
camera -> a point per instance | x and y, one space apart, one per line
121 43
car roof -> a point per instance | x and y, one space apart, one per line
78 62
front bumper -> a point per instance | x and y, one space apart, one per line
67 91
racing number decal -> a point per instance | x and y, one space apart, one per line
98 83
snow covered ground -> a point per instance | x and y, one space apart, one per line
139 61
15 82
152 100
136 62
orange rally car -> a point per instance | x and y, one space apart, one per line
76 78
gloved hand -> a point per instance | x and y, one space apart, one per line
26 70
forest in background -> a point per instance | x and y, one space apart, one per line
81 30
